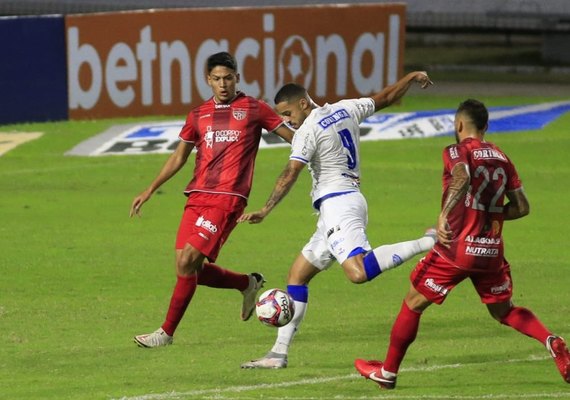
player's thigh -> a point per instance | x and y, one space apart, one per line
301 272
206 228
494 286
343 223
316 251
435 278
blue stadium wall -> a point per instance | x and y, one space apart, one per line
33 77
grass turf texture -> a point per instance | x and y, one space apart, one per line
79 279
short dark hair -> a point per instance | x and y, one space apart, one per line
223 59
289 92
477 111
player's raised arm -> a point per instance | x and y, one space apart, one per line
284 183
391 94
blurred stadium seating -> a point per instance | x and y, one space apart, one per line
517 15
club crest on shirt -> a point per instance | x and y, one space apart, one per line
239 114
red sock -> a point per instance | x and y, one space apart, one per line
403 334
215 276
524 321
181 296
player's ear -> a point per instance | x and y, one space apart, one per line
237 77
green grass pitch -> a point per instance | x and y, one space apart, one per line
79 279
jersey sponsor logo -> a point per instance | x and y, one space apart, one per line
501 288
481 251
336 246
227 135
434 287
209 137
221 106
333 118
239 114
453 152
221 136
488 154
482 240
206 224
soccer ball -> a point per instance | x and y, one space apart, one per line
275 308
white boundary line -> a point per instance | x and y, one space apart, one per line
217 393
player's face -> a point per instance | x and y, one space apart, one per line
293 113
223 81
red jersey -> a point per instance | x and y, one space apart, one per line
477 221
226 137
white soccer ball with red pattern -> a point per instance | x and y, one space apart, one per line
275 308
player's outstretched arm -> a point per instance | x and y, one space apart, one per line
169 169
285 132
391 94
284 183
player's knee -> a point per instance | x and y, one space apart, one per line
357 275
500 311
188 261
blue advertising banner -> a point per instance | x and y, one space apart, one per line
33 77
162 137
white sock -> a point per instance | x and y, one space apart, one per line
286 333
392 255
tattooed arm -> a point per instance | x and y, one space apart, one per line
455 193
284 183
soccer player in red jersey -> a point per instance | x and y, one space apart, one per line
477 177
225 130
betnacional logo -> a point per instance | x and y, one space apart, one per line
146 64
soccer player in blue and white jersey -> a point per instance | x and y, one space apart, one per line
327 139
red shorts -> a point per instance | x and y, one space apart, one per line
435 277
208 220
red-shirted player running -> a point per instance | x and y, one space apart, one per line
226 131
477 176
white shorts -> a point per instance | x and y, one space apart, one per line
341 228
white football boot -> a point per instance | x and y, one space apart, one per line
269 361
156 339
256 282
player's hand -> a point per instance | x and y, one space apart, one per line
423 79
444 234
254 217
138 202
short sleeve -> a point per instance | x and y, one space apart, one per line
303 146
360 108
269 119
453 155
189 133
513 182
